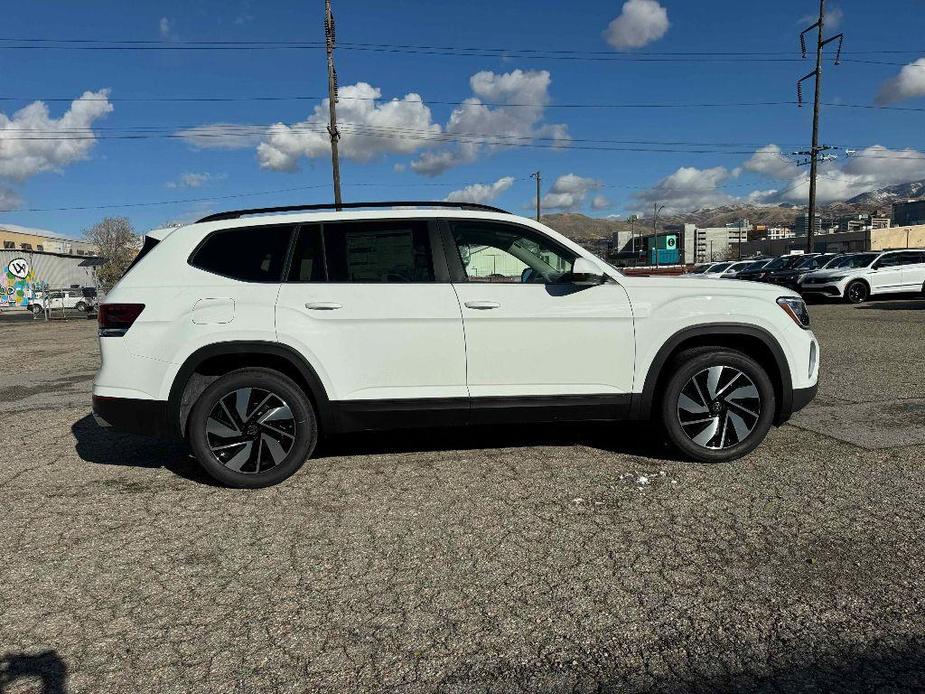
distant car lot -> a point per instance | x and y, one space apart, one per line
476 560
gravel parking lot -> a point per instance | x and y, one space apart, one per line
558 559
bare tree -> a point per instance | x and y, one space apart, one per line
117 242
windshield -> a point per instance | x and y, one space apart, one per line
757 265
853 261
809 263
785 261
698 269
720 267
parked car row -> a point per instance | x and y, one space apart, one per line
852 276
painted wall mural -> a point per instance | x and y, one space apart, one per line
16 283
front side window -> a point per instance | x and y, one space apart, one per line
248 254
509 254
889 260
394 251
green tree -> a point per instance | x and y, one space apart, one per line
117 242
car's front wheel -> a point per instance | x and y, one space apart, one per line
252 428
718 404
856 292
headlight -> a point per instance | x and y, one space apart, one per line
796 309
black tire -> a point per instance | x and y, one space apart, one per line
81 306
856 292
245 439
36 309
725 440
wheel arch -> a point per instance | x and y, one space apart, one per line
862 280
752 340
212 361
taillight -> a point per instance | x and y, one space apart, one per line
116 319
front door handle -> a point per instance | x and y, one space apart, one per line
482 305
322 306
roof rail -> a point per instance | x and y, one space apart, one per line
236 214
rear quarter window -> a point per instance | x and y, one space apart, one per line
247 254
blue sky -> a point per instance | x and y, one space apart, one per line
428 146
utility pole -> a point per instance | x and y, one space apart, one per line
536 175
656 208
815 148
332 99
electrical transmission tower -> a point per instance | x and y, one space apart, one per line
814 151
332 99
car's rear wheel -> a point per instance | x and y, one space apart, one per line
81 306
252 428
718 404
36 309
856 292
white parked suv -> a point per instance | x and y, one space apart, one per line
857 276
253 333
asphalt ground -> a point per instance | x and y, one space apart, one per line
551 559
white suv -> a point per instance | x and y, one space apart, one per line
250 336
857 276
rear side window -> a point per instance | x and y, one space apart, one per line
249 254
308 258
913 258
389 251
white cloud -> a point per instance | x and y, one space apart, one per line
31 141
641 22
369 128
908 84
689 188
869 169
600 202
569 192
9 200
223 136
164 27
193 180
481 192
770 161
833 18
522 95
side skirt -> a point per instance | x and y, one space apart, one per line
370 415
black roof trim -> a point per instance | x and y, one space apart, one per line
236 214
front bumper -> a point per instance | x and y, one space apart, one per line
803 396
146 417
824 289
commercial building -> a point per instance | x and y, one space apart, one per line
24 272
14 237
719 243
824 225
909 213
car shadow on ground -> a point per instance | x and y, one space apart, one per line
637 440
23 669
884 305
95 444
101 446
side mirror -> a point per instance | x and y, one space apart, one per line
585 271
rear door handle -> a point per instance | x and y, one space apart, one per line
482 305
322 306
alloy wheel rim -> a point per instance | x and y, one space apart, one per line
250 430
719 407
857 292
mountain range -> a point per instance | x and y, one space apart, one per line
580 227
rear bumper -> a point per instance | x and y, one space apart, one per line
147 417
